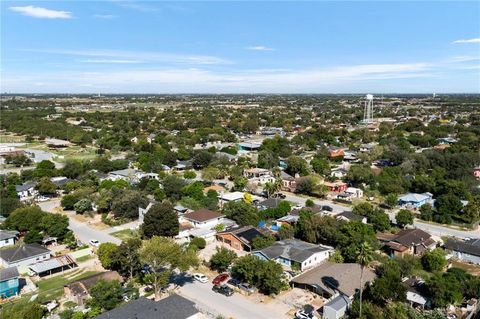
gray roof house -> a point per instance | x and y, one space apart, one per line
294 253
172 307
468 250
8 237
24 255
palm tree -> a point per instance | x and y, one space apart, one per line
364 258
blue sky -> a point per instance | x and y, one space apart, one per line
239 47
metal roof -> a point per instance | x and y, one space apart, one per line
52 264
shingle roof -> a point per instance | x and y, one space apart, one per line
82 286
407 237
6 234
331 277
8 273
24 187
292 249
202 215
351 216
245 234
22 252
471 246
172 307
270 202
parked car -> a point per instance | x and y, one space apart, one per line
234 282
220 279
280 195
94 242
200 277
302 314
327 208
223 289
247 288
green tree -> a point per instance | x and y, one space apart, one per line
286 232
164 255
222 259
448 204
106 294
69 200
198 243
83 206
46 187
126 203
404 217
360 174
244 214
434 260
172 186
107 253
305 185
202 159
260 242
296 165
127 259
160 220
391 200
320 166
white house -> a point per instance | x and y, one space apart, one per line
231 197
24 255
259 176
8 237
26 191
203 218
294 253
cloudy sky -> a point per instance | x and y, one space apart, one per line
239 47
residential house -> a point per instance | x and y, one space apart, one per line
464 250
270 203
231 197
240 238
334 152
24 255
350 216
217 188
203 218
184 165
407 241
26 191
351 193
259 176
447 140
414 200
151 138
337 282
336 187
288 182
294 253
338 172
130 175
8 237
249 146
9 282
417 294
79 290
172 307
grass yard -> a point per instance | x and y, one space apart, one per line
52 288
84 258
470 268
125 234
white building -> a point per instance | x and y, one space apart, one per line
203 218
8 237
24 255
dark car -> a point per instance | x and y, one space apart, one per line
327 208
234 282
280 195
223 289
220 279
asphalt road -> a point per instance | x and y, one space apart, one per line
81 230
236 306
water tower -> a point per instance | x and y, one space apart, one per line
368 112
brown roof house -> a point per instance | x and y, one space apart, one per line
203 218
79 290
408 241
240 238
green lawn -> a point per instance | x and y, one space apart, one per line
52 288
84 258
125 234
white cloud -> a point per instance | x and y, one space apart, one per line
104 16
141 56
473 40
42 13
110 61
260 48
195 80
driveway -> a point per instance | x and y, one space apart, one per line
236 306
81 230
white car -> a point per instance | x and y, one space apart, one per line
301 314
94 242
200 277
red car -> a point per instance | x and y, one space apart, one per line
220 279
